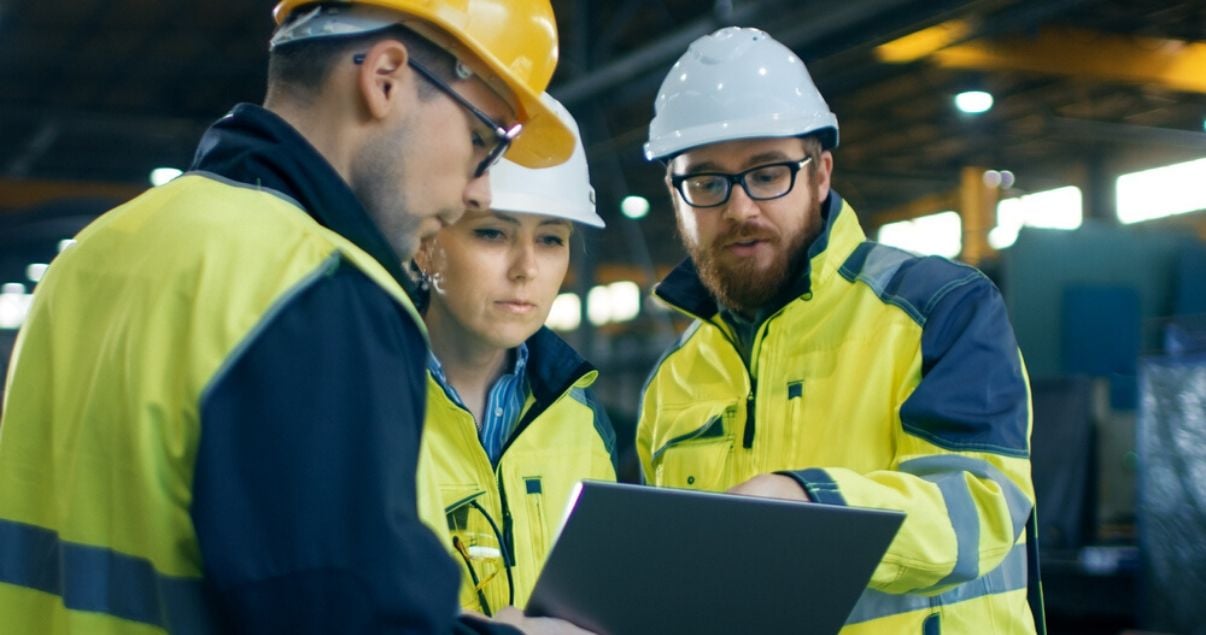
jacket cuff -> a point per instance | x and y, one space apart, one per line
817 484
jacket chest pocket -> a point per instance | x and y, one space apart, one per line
538 524
700 459
794 434
476 544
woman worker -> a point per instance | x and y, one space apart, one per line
511 423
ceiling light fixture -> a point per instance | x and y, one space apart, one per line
35 271
635 207
159 176
974 102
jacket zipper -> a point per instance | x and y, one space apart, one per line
747 441
528 417
508 546
508 533
747 438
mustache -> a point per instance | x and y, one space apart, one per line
748 231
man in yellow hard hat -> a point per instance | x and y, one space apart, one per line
214 409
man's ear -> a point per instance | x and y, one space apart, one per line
823 174
383 76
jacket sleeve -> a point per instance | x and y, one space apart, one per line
304 485
961 470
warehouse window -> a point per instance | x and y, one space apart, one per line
1164 191
605 304
566 313
14 305
938 234
1060 208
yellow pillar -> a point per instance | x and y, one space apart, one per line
978 209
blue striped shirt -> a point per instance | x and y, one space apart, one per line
504 402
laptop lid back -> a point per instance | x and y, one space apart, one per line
632 560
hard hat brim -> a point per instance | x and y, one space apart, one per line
679 141
527 203
545 141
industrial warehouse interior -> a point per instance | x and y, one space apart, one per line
1057 145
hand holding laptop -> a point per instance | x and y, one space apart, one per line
771 486
537 625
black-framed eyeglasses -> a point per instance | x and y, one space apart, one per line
761 183
503 136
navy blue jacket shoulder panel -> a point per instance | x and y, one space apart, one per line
304 499
964 325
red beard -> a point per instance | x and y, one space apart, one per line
739 284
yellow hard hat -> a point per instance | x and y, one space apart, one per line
516 40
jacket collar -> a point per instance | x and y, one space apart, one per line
553 366
683 290
254 146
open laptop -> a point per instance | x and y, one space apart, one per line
632 559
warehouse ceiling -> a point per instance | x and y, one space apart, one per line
96 93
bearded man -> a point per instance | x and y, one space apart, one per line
824 367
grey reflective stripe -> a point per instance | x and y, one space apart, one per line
1010 575
962 513
879 267
100 580
930 467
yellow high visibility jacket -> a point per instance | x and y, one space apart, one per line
893 381
213 415
504 517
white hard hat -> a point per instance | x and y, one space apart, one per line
736 83
563 191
